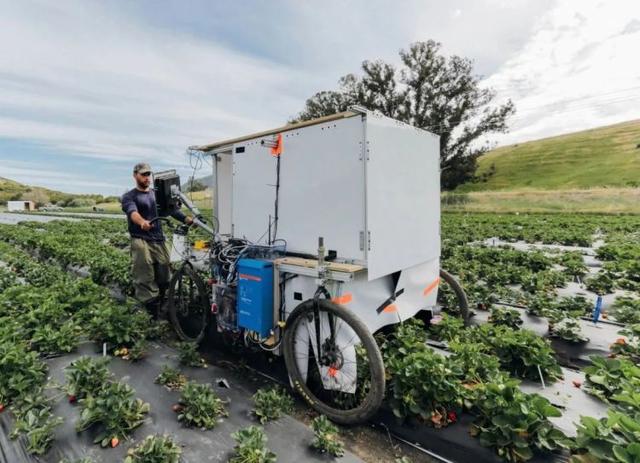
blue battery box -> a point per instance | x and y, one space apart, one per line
255 295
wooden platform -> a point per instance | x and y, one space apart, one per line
313 263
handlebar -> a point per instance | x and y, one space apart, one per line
197 221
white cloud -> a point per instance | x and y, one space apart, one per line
578 70
25 172
101 80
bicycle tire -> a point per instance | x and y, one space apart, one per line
176 319
375 395
463 303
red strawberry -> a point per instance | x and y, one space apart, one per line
1 408
72 398
114 442
452 417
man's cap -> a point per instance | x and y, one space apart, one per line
141 168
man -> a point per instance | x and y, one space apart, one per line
150 267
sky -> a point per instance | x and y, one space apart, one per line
89 88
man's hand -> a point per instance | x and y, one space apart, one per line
188 220
146 225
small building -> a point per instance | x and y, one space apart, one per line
21 206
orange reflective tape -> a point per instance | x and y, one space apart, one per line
344 299
431 287
333 372
244 276
390 308
277 150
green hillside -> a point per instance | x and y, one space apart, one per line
602 157
12 190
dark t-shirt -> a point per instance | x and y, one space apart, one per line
144 202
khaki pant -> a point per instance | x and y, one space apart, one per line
150 268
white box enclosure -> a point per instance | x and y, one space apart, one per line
368 184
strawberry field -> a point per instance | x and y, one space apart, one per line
532 377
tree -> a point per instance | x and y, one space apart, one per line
436 93
195 185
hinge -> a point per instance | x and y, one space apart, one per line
368 150
362 241
369 240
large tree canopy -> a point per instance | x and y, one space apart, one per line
437 93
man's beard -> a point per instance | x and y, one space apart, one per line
142 186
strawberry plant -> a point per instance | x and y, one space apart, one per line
251 446
475 362
50 339
115 410
515 423
539 305
628 348
189 356
118 325
154 449
569 330
136 352
520 352
200 406
626 310
424 384
22 371
86 376
171 378
573 262
503 316
447 328
607 377
38 425
271 404
326 437
610 439
602 283
406 338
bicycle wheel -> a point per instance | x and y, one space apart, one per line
462 304
188 305
345 380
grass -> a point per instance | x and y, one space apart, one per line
595 200
602 157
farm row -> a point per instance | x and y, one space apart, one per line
480 375
46 312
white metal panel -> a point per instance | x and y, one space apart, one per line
403 196
322 188
223 191
254 177
417 288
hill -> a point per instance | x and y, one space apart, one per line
602 157
12 190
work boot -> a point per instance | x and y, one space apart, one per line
152 306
